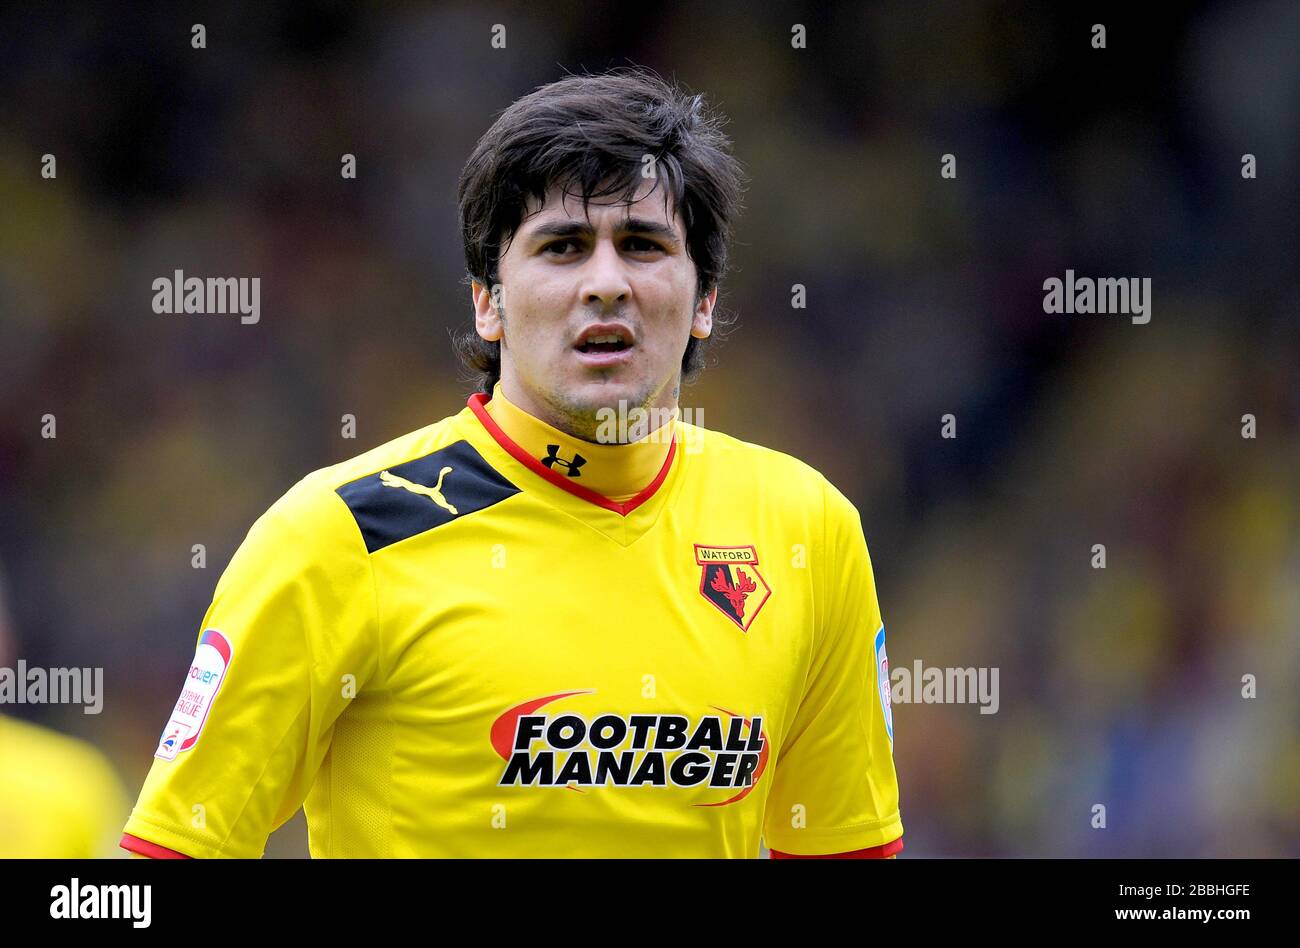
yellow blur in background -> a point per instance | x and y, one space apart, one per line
59 796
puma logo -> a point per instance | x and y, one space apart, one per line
434 493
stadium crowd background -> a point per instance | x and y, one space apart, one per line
1118 686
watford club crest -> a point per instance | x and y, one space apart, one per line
730 580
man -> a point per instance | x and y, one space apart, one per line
561 622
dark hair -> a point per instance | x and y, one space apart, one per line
588 132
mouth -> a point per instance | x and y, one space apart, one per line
605 344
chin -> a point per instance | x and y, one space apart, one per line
587 402
591 395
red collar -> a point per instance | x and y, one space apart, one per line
476 403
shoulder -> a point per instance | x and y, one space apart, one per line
408 447
315 511
779 480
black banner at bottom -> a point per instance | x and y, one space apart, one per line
618 899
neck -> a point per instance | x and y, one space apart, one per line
616 471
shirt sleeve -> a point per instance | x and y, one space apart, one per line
289 639
835 789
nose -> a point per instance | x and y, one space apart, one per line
604 277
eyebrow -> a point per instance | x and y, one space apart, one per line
629 225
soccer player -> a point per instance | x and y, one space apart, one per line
562 621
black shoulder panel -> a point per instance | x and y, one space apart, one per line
416 496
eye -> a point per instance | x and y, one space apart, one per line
557 243
646 245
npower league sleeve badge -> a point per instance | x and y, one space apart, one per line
211 659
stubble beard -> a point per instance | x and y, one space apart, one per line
584 418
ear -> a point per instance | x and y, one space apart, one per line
702 321
487 317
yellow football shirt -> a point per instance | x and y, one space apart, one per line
447 646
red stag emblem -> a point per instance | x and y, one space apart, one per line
735 594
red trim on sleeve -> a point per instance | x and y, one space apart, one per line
479 399
135 844
875 852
